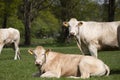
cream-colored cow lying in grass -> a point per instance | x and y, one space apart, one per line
8 36
54 64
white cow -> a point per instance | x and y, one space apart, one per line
10 35
54 64
93 36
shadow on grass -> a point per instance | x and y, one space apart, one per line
115 71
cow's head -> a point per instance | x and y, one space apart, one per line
40 55
73 25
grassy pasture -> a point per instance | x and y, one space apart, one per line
24 68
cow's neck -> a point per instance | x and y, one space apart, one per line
77 38
49 58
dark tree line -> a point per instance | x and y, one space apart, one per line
28 10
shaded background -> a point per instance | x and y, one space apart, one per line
40 21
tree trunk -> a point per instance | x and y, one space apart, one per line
111 10
27 24
5 18
64 15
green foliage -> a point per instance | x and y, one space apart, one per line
117 11
64 10
16 23
9 7
82 10
24 68
88 10
45 25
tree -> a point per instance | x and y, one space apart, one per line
29 10
46 25
8 8
117 10
65 10
111 10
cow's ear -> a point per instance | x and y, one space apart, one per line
30 51
65 24
80 23
47 51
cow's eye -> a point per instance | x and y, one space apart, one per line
42 54
76 26
35 55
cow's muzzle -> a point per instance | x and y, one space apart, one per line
72 34
38 64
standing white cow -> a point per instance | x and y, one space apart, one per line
10 35
93 36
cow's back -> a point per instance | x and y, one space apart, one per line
64 63
9 35
103 33
93 66
14 33
70 65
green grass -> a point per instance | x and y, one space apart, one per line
23 69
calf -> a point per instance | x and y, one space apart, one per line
54 64
10 35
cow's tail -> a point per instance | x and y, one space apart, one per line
107 70
118 35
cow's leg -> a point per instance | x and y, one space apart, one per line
73 77
79 46
17 53
85 75
84 50
50 74
93 50
84 70
1 47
